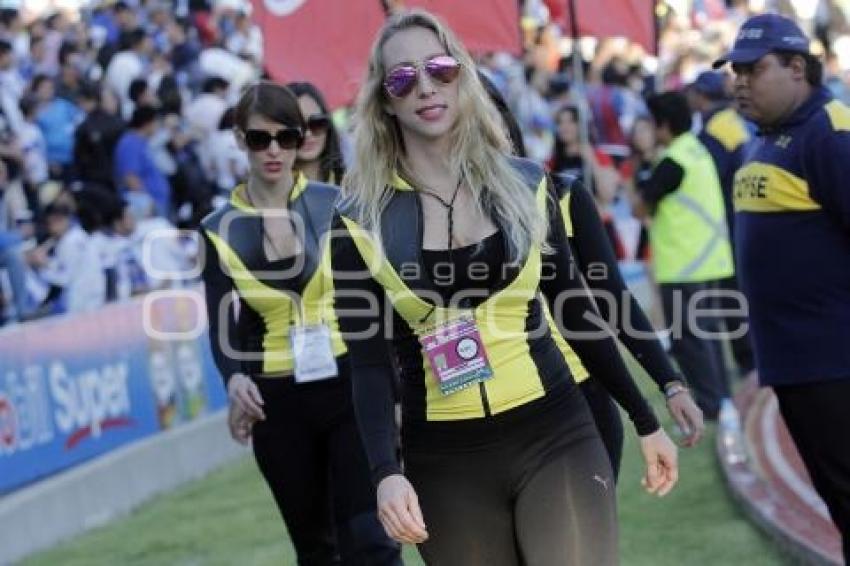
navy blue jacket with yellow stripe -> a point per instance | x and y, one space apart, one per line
792 203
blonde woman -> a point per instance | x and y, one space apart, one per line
443 247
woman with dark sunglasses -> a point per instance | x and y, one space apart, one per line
275 340
319 157
451 252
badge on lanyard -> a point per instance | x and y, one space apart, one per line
313 352
457 356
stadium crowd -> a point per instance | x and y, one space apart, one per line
116 123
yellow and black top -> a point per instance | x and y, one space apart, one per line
271 295
392 291
597 262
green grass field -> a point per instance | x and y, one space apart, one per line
229 518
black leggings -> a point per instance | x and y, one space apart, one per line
531 486
310 453
607 419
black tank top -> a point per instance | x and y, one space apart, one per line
477 267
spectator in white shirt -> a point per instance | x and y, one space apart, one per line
204 114
32 144
106 217
247 40
11 80
12 85
130 278
156 246
229 163
128 64
16 32
72 268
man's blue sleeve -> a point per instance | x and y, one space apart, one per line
723 159
128 159
827 170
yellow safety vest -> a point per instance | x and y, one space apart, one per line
688 234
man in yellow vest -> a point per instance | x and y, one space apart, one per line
690 248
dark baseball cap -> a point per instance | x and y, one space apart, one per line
763 34
710 83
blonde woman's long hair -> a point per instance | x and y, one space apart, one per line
479 147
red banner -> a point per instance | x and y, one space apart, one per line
634 19
482 25
325 42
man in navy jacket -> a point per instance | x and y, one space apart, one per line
792 232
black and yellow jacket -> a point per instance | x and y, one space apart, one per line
271 295
597 262
385 297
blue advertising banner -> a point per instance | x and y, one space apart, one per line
73 388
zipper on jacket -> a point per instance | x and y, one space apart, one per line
484 401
